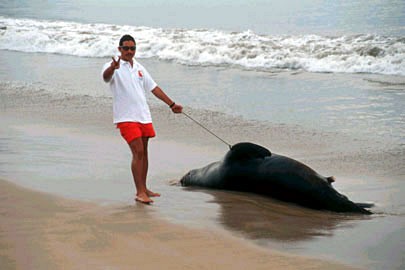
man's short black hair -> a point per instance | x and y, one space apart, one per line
126 38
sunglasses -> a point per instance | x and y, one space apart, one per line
126 48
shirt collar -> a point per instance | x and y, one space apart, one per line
135 64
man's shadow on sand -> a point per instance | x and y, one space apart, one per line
263 218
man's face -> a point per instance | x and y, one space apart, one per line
127 50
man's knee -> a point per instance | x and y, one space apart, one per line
137 148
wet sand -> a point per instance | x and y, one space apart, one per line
65 144
40 231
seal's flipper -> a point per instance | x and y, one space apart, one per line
330 179
244 151
365 205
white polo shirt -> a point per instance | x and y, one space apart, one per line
128 86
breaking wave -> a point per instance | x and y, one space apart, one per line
366 53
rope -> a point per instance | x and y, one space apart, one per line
198 123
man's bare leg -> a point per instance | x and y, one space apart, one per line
138 170
150 193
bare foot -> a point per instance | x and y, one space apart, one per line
152 194
143 198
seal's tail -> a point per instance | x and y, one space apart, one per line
365 205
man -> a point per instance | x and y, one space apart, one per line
129 82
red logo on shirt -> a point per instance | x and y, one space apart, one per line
140 74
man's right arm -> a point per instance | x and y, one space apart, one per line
109 72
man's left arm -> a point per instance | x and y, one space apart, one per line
158 92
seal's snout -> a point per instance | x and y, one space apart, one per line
184 180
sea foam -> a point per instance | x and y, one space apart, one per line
365 53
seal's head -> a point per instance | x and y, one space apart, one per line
186 178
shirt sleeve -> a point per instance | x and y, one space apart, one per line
149 83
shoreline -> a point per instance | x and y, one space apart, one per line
48 232
64 143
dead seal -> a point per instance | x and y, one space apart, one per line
252 168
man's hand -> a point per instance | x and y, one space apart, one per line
109 72
116 63
177 108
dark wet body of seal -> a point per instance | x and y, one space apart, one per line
251 168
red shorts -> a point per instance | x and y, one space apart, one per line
132 130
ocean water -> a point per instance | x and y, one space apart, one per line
307 35
331 66
361 44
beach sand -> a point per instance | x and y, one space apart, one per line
43 231
65 145
40 231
